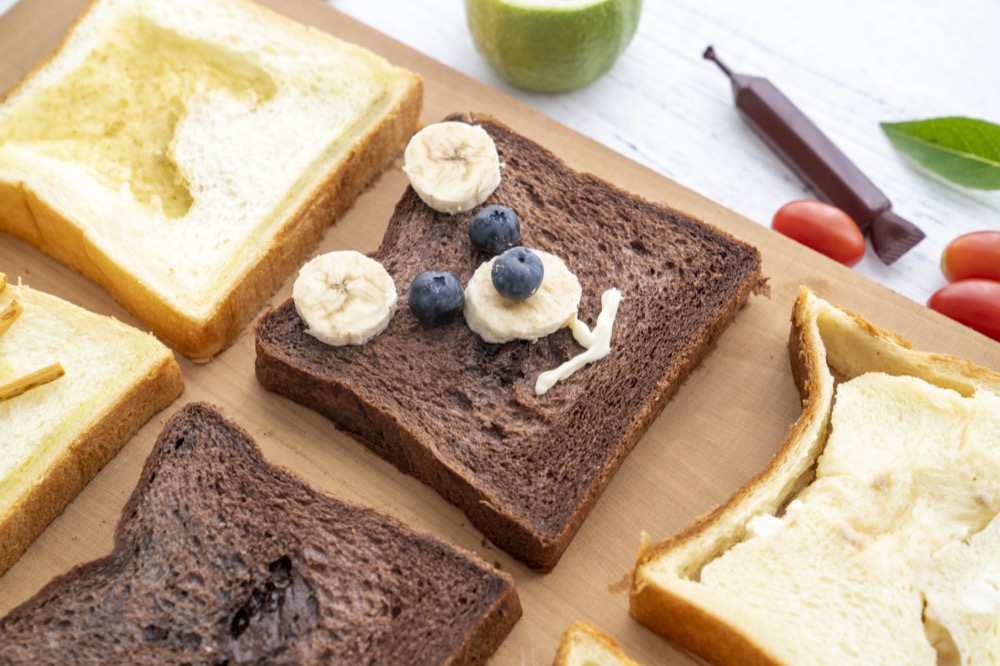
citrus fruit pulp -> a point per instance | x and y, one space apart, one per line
552 45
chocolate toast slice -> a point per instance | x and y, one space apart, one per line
220 558
461 414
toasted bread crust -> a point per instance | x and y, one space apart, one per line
581 631
704 634
814 364
562 448
675 616
29 217
34 221
197 547
84 457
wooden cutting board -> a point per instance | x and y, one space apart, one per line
721 428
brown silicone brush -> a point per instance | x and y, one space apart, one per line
820 163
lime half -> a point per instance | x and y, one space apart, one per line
552 45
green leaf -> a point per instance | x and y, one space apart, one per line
963 150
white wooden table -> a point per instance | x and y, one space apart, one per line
849 65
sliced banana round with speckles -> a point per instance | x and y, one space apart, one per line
499 319
452 166
344 297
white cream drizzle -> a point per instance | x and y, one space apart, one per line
597 343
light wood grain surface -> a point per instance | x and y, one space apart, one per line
727 419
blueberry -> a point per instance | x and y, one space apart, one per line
517 273
494 229
435 297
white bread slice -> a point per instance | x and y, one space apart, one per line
188 155
870 538
583 644
54 438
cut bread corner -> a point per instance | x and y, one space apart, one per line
55 437
583 644
865 538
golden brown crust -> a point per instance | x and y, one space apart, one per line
340 581
31 219
696 628
698 631
582 628
806 362
672 615
81 460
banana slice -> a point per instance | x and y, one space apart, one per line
452 166
345 298
499 319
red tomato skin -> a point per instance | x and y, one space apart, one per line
822 227
973 302
972 255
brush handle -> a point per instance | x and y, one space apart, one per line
819 162
809 152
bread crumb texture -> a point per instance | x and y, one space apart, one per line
888 552
102 358
147 134
184 154
462 414
583 644
895 541
55 437
126 104
221 558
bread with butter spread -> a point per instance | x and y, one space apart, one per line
871 538
54 438
461 414
188 155
223 558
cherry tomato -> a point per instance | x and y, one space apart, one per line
822 227
974 255
973 302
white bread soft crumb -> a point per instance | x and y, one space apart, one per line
890 556
185 173
53 438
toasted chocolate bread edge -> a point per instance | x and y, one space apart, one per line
391 440
476 646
